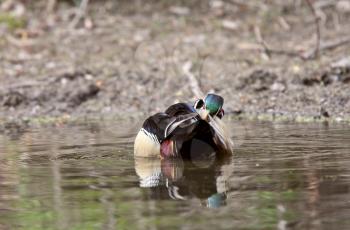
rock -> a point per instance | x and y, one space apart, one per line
277 86
326 78
259 80
310 81
340 71
324 112
13 99
343 6
83 95
342 63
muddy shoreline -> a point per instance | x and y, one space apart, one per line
128 62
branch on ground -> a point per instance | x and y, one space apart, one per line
315 52
80 14
186 68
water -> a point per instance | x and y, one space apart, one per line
282 176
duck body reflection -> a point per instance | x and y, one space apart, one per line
195 175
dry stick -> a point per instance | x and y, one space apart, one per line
328 45
290 53
201 65
51 4
335 43
260 40
186 68
324 3
315 52
80 14
27 84
283 23
242 3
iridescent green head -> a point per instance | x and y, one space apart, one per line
213 103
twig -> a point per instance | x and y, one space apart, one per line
241 3
27 84
315 52
290 53
21 42
324 3
201 65
186 68
327 45
51 5
335 43
81 12
260 40
283 23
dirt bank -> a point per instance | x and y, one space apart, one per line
127 58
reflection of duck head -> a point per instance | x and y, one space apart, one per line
181 179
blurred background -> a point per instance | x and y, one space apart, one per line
74 58
62 60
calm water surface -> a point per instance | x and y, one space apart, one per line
282 176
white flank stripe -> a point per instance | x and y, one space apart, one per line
151 135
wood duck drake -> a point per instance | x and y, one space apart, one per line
166 134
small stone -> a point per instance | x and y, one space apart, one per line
200 38
230 25
216 4
50 65
64 81
88 24
281 208
88 77
178 10
296 69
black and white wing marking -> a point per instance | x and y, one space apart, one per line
160 126
155 126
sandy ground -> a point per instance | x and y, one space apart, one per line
127 58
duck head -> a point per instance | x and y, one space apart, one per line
210 109
210 105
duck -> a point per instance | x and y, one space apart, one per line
171 133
